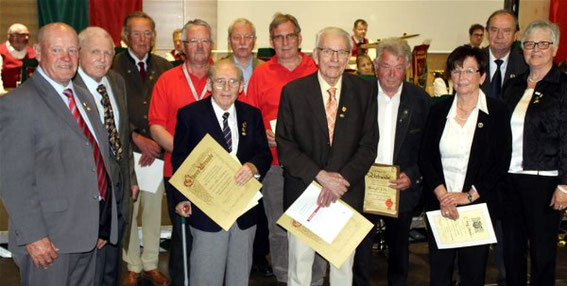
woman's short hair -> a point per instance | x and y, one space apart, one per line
460 54
546 26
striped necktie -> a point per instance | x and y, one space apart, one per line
100 169
331 112
226 131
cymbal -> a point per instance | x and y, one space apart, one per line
375 44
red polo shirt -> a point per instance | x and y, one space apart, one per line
170 93
265 88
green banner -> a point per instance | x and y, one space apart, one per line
72 12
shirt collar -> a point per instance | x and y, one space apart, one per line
145 59
90 82
326 86
397 94
18 54
57 86
219 111
504 59
480 105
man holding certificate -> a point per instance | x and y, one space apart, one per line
219 255
327 132
465 152
402 113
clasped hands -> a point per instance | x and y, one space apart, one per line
449 201
334 187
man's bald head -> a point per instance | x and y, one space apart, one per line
18 36
57 51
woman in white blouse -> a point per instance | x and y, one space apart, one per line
536 184
464 156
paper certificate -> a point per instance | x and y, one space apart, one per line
325 222
206 178
379 197
149 177
344 244
473 227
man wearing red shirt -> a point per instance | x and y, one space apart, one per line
264 90
13 52
175 89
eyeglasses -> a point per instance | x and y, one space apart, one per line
466 72
22 35
220 83
288 37
238 38
137 34
194 42
543 45
330 52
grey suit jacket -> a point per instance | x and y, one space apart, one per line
47 172
122 171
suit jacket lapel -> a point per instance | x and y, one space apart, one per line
403 120
477 144
214 128
120 101
316 104
242 126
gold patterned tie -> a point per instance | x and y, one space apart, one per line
109 123
331 112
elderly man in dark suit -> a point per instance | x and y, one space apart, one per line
327 132
218 255
54 168
140 70
402 114
107 91
503 63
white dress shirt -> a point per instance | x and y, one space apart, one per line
387 121
232 123
59 89
456 142
92 86
325 86
491 59
144 60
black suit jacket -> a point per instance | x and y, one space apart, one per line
516 66
412 116
303 138
545 124
194 121
489 157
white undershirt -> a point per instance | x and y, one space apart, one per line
232 123
387 118
456 142
517 125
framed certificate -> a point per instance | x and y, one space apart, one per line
379 197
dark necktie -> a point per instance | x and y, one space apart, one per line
142 71
100 169
109 123
226 131
496 82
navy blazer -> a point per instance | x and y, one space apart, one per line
489 157
194 121
545 125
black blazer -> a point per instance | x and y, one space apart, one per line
412 116
303 138
489 157
194 121
516 66
545 125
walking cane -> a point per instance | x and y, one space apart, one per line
186 209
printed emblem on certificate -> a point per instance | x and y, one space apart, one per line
379 198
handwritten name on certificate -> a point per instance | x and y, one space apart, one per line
327 222
206 178
379 197
473 227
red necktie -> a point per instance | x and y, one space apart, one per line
142 71
100 170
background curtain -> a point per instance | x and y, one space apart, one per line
558 15
72 12
110 15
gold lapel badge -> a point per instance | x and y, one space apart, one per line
86 106
538 96
480 125
512 75
243 130
343 110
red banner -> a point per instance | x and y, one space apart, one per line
557 14
110 14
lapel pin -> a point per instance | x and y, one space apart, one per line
129 71
344 109
341 115
480 125
512 75
244 124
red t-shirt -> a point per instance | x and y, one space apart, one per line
170 93
265 88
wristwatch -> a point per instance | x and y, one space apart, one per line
469 197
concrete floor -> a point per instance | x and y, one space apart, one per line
419 269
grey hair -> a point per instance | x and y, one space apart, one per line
280 18
546 26
213 68
196 22
333 31
16 26
396 46
243 21
85 34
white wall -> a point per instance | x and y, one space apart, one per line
445 22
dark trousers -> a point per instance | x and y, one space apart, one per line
261 242
176 250
108 261
397 239
471 263
529 219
